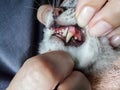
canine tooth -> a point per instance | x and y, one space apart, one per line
66 28
65 32
68 37
57 31
62 30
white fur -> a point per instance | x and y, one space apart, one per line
92 51
49 19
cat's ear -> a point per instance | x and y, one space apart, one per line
69 3
45 15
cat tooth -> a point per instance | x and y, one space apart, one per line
65 32
57 31
62 30
68 37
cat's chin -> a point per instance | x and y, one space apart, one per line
56 38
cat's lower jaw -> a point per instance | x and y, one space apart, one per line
93 51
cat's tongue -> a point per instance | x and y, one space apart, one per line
70 34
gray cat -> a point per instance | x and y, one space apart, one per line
93 55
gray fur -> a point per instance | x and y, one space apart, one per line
69 3
67 18
94 51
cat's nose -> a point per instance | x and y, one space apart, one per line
57 12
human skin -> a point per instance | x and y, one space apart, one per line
108 79
102 17
48 71
101 23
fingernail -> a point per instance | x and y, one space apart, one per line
85 15
101 29
115 41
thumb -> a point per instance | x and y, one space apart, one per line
106 20
43 72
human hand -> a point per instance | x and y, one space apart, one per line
50 71
108 78
102 17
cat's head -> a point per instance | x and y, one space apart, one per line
63 33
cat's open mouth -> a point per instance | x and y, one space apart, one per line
70 35
63 23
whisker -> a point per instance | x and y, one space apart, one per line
30 7
49 2
58 3
37 2
53 4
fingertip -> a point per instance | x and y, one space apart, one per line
86 10
76 81
115 41
101 28
85 16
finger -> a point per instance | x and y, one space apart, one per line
107 19
86 9
114 37
76 81
43 72
61 61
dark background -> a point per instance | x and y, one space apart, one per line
20 34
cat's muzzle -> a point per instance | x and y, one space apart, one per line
62 22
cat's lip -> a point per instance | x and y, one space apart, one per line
70 35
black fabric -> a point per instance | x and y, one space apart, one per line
20 34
